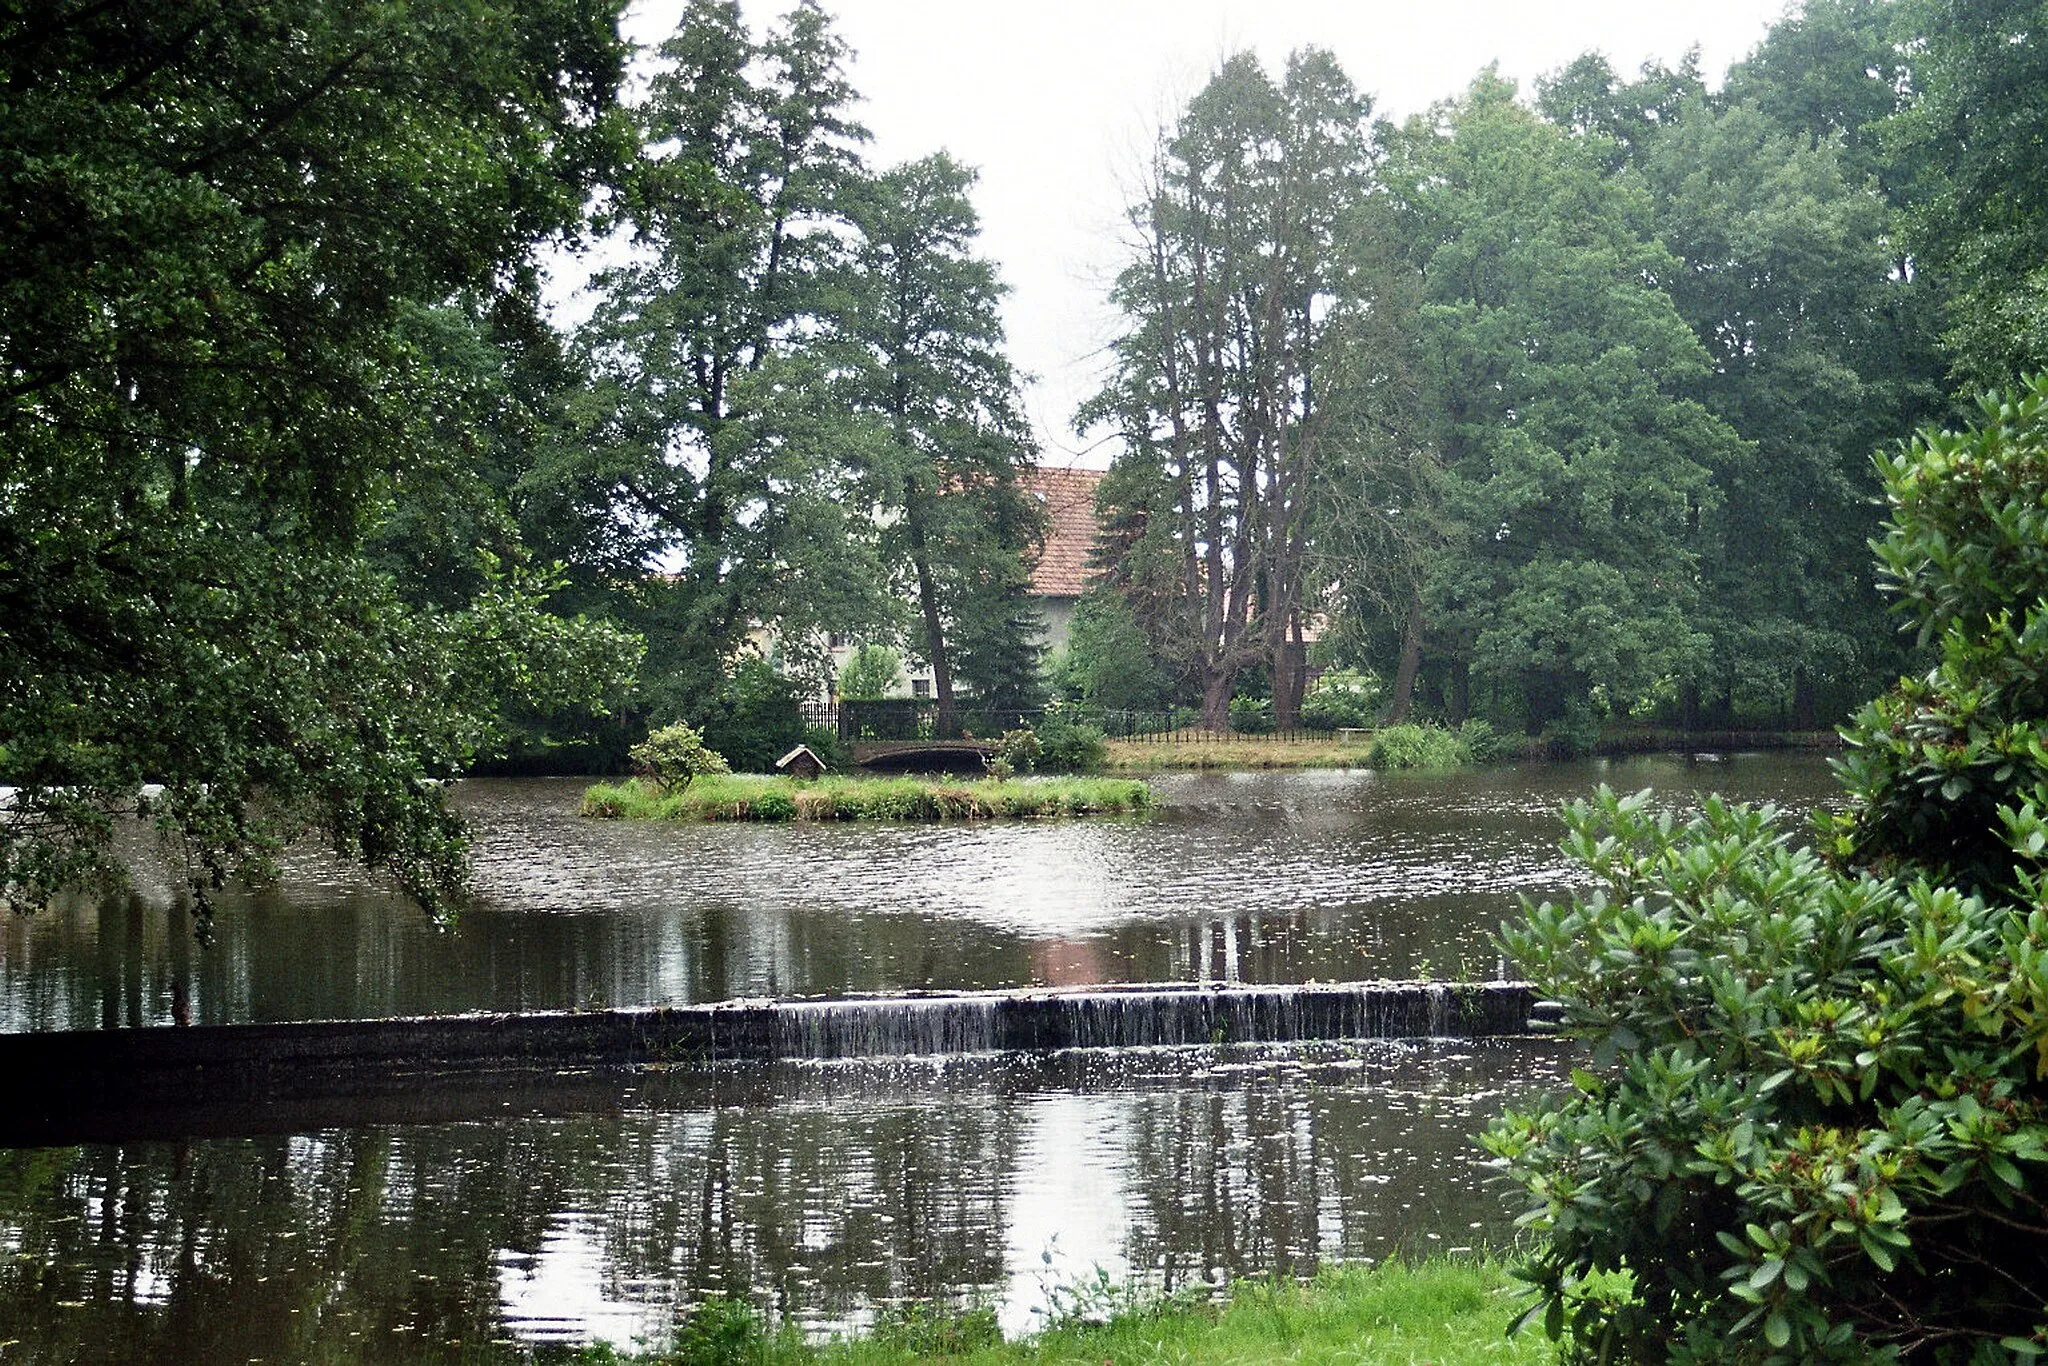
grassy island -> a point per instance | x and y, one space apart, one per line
761 797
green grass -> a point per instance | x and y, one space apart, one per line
1442 1312
759 797
1150 756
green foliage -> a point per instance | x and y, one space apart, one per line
715 425
1069 745
753 719
927 1330
1573 733
1815 1126
1108 661
1417 746
674 756
752 797
1575 468
1019 749
1483 744
951 438
870 674
1815 1102
232 226
1341 699
1970 136
1939 768
721 1331
1251 715
1451 1312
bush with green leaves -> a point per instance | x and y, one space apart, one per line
1342 699
674 756
1814 1123
1483 743
1251 715
1069 745
1107 661
1416 746
754 718
1020 749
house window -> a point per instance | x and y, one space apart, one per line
920 687
836 641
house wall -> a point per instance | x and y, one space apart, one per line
1057 614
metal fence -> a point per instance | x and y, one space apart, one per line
917 718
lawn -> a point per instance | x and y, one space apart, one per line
1446 1312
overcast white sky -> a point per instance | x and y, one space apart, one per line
1056 103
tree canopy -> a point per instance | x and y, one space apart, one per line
231 226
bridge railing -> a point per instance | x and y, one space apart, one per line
917 718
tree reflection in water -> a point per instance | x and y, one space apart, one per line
821 1191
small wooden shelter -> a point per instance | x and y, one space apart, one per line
801 763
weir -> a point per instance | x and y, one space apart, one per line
56 1079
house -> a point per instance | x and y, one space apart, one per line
1062 571
1059 574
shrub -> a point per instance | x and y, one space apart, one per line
753 718
1066 746
825 743
1815 1124
1251 715
1019 750
772 806
674 756
1108 662
1484 744
1416 746
930 1330
1574 734
721 1332
1341 699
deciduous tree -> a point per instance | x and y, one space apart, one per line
225 221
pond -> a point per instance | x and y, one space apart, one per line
1251 877
594 1206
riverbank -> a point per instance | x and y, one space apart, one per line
759 797
1446 1312
1167 753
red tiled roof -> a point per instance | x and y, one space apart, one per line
1068 497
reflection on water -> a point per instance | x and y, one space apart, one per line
1256 877
823 1191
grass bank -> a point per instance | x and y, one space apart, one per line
760 797
1443 1312
1167 753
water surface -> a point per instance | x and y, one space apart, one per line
1251 877
823 1192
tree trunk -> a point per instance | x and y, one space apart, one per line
1411 661
946 727
1216 685
1689 706
1459 705
1805 702
1290 671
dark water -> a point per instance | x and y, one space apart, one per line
594 1207
824 1191
1253 877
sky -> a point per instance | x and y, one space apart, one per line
1056 103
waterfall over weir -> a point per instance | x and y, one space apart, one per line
67 1080
1148 1017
